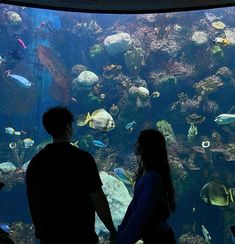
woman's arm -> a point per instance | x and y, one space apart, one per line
146 205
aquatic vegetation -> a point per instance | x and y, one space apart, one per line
217 50
134 60
166 129
96 51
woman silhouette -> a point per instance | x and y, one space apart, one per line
154 195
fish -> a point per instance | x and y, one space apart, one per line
100 119
155 94
123 176
222 41
225 119
130 125
9 130
73 99
28 142
98 143
20 80
21 42
17 133
206 234
5 228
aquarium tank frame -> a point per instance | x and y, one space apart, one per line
122 6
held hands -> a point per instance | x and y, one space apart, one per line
113 237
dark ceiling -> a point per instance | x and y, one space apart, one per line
123 6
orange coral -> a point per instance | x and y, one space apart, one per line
60 88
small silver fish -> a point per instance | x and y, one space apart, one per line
206 234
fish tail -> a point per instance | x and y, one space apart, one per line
88 118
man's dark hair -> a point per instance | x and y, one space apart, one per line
56 119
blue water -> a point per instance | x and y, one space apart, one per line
168 49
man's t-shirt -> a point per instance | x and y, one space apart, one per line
58 180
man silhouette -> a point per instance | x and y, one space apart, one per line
64 188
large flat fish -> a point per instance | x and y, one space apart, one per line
225 119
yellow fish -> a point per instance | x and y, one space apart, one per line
100 119
222 41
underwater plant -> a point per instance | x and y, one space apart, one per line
166 129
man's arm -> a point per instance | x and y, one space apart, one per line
101 206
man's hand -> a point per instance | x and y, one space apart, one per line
113 237
1 185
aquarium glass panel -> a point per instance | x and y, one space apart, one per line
173 72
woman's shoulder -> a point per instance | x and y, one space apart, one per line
152 176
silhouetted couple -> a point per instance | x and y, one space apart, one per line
64 190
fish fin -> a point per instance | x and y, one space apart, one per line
231 110
82 119
88 118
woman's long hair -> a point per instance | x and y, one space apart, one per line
152 153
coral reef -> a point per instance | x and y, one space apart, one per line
163 81
186 104
96 51
134 60
190 238
86 79
78 69
22 233
199 37
14 18
208 85
117 43
195 118
87 29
